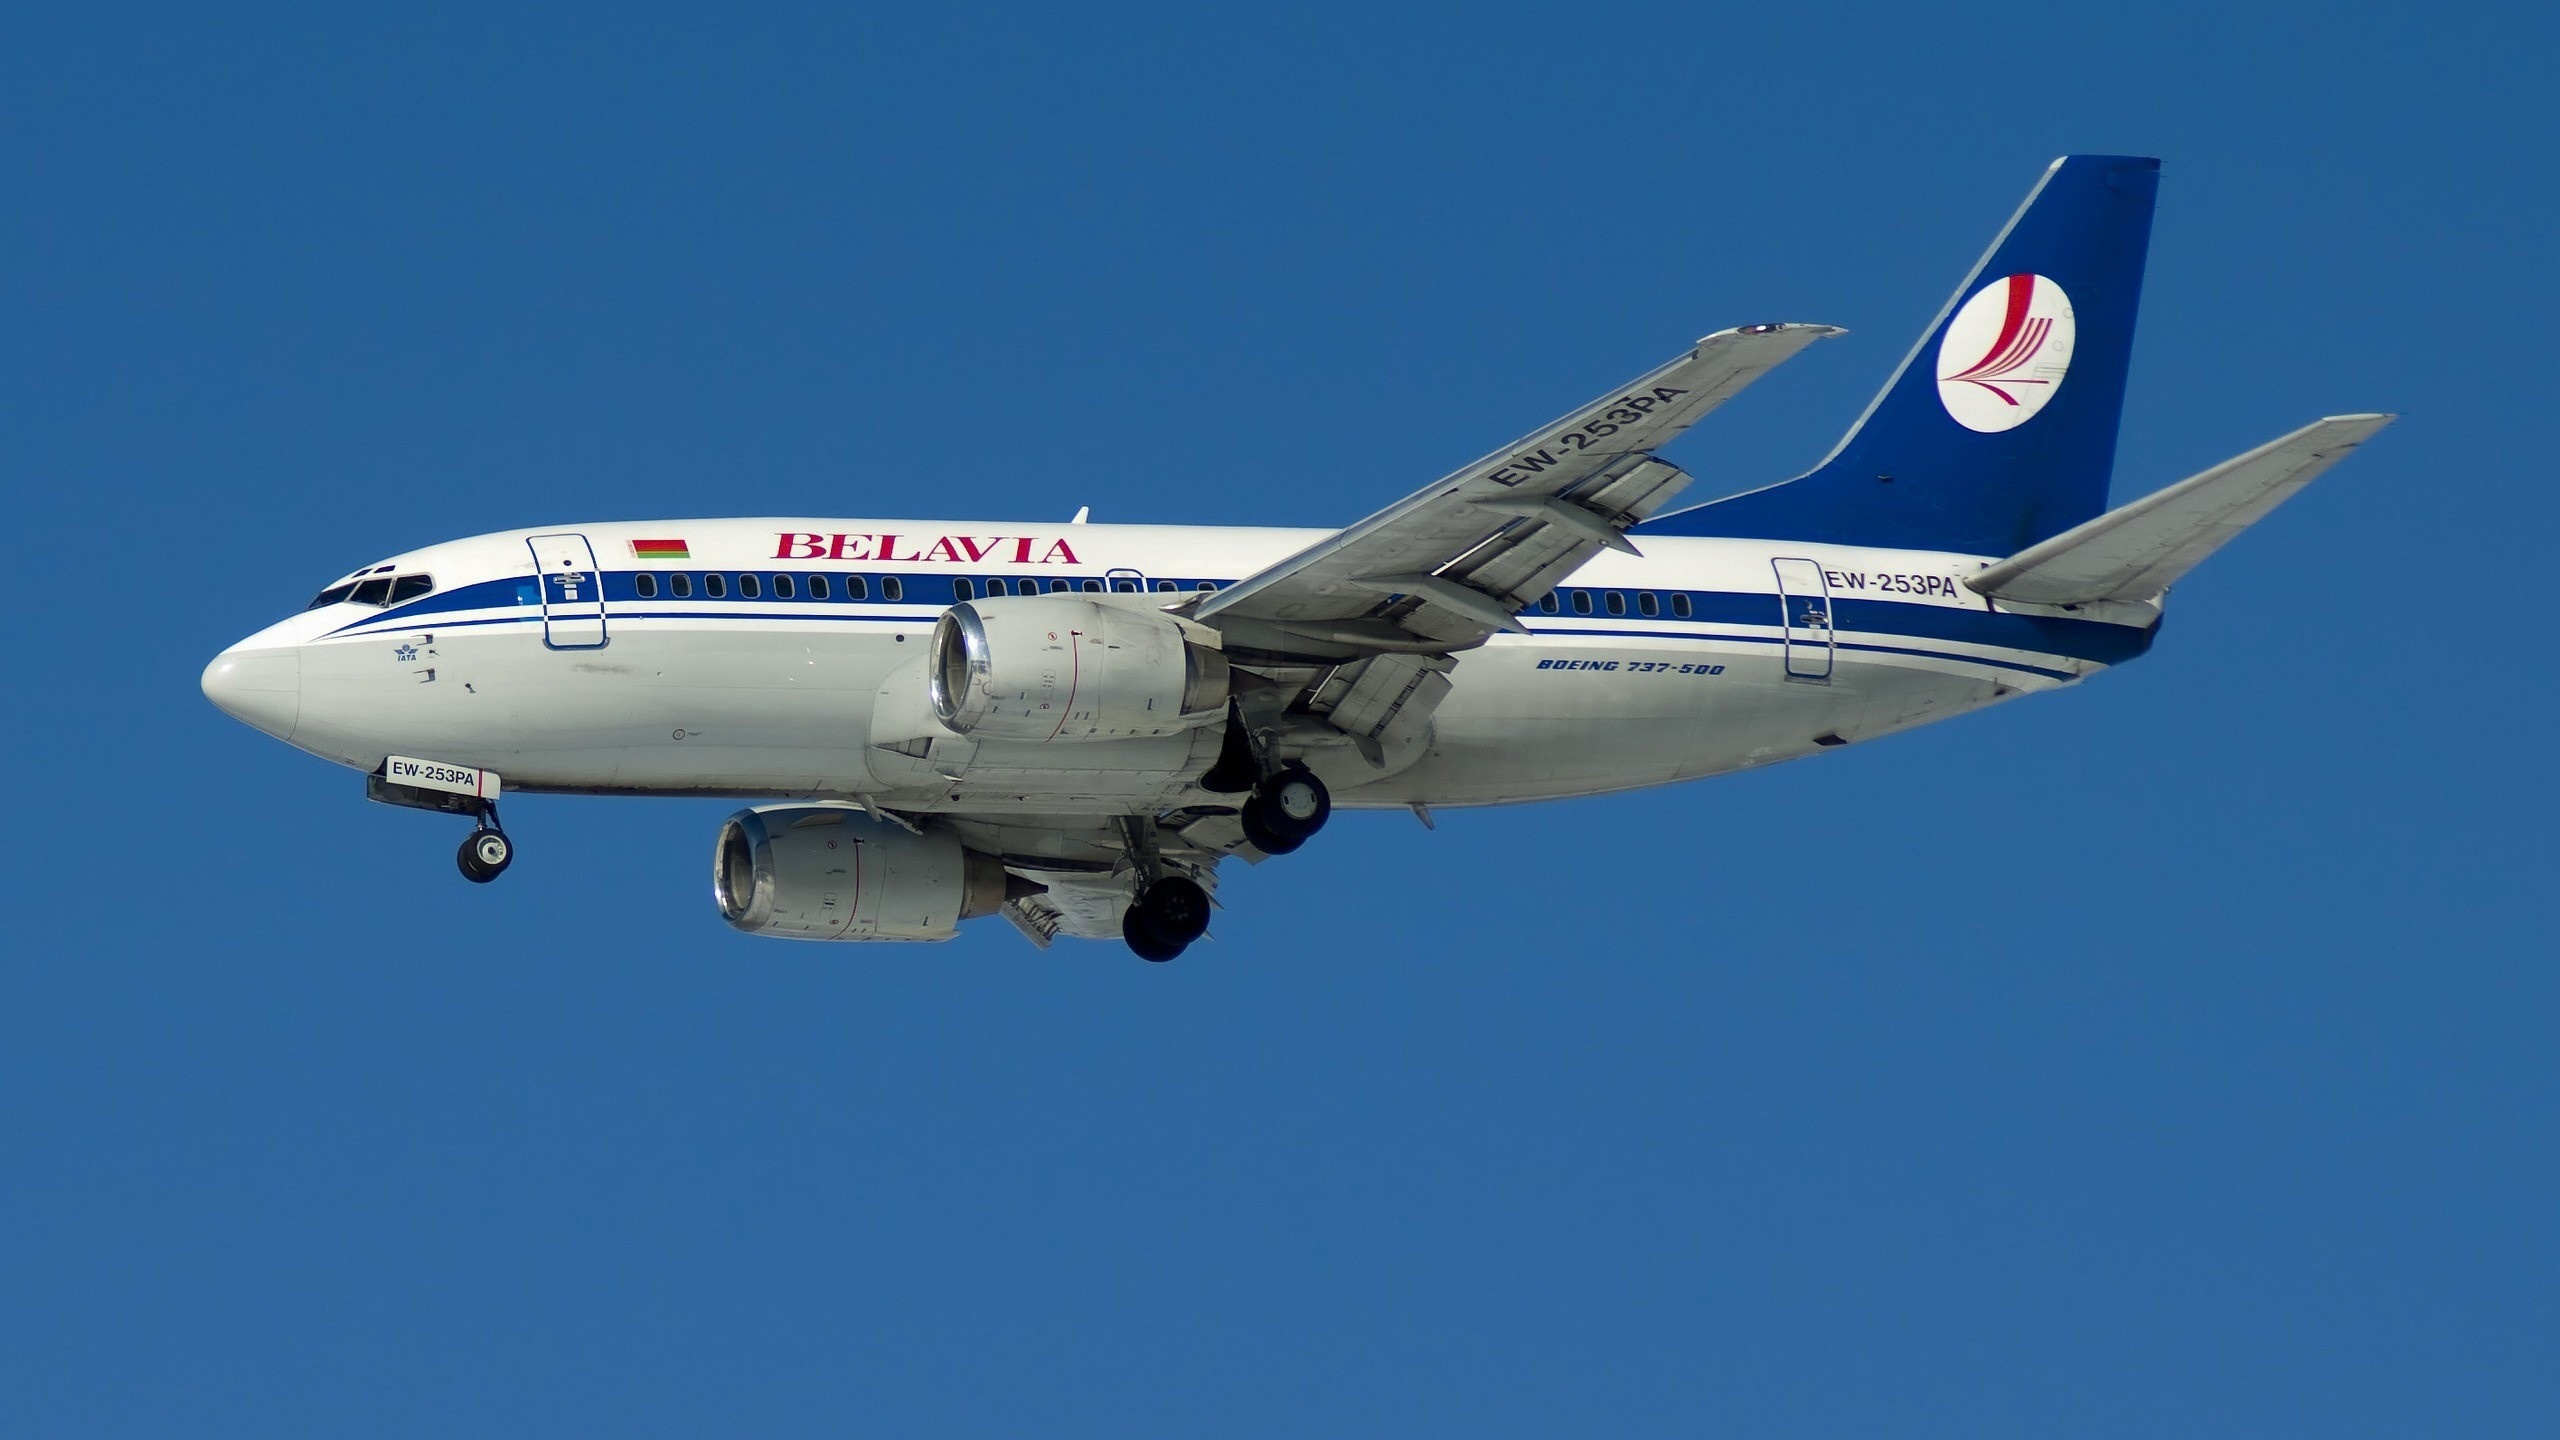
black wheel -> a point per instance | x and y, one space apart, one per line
1143 940
1257 828
1287 808
1299 802
484 856
1175 908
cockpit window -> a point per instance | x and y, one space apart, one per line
375 587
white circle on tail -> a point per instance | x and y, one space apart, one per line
2005 353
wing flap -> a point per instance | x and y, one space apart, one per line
2136 551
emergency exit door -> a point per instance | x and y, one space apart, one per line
1804 602
572 592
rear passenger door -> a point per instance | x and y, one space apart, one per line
1804 606
572 592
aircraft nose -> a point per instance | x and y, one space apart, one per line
260 687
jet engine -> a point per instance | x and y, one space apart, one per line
816 872
1063 667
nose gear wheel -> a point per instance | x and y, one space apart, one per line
486 852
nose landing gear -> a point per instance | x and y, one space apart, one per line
450 790
486 852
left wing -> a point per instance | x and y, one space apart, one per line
1445 568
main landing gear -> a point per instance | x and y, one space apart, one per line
486 852
1286 810
1284 805
1165 918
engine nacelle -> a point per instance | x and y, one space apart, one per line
819 872
1063 667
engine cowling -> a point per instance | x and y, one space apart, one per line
821 872
1063 667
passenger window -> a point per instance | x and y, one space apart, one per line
373 592
331 596
1206 585
784 588
1125 587
1547 604
1617 603
892 588
1647 604
1057 587
995 587
1581 602
1092 587
714 588
856 588
963 590
645 585
1166 587
681 586
817 587
1680 606
749 588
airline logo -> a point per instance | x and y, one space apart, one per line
2005 353
918 549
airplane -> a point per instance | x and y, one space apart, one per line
1073 725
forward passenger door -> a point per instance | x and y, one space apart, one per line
572 592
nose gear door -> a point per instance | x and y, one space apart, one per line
1804 601
572 592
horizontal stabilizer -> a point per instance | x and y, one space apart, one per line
2136 551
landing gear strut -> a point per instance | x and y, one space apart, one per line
1165 918
486 852
1286 810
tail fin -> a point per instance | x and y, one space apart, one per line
1999 430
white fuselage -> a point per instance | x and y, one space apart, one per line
1701 656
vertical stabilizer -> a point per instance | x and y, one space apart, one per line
1999 429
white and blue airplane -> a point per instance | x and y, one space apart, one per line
1072 725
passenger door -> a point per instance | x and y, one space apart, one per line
572 592
1804 602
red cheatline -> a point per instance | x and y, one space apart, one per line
661 550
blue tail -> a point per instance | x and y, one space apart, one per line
1999 430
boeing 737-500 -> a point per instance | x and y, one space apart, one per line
1073 725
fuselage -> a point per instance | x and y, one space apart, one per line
765 657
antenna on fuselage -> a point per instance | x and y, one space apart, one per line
1082 511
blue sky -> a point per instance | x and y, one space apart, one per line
2170 1056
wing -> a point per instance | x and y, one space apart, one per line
1447 567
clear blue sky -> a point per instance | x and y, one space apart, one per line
2174 1056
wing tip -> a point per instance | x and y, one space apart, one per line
1801 331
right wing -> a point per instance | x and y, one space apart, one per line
2134 552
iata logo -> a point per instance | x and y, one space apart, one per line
2005 353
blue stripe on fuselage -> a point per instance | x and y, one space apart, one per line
2089 640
